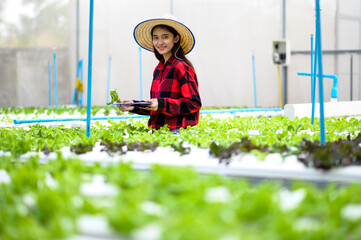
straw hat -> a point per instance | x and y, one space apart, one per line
142 32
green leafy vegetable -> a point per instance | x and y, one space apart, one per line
224 137
81 148
113 147
46 200
224 153
115 97
180 148
333 154
47 151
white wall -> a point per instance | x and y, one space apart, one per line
300 25
24 78
226 32
349 37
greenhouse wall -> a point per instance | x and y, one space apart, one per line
226 33
24 76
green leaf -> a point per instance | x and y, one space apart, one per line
114 97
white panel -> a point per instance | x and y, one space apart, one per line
350 7
226 32
349 34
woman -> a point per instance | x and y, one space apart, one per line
174 92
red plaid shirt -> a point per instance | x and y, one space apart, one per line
175 85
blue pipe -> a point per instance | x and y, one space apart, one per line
49 73
320 73
108 84
140 73
76 90
334 90
81 80
55 83
234 110
90 61
74 96
254 81
74 119
313 83
312 79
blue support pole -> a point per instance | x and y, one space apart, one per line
108 84
313 84
55 83
320 72
254 81
140 74
49 73
90 61
79 71
81 79
74 97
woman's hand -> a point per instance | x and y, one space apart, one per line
153 106
125 108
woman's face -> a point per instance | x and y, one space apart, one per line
163 42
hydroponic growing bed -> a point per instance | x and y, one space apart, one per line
125 182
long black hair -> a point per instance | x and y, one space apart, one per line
177 49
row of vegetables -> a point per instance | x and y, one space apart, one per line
224 137
65 197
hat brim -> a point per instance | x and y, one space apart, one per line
142 33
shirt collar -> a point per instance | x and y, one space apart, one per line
169 62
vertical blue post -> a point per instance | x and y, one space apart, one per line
79 71
81 79
254 81
320 72
55 82
313 82
90 61
315 79
108 85
49 73
140 74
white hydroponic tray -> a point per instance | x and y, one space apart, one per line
243 165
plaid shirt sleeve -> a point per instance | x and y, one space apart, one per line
185 85
175 86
